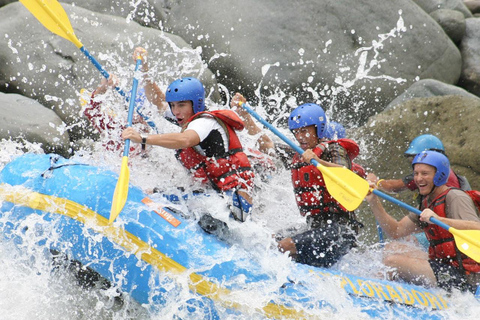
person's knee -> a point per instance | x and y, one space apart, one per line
287 245
392 260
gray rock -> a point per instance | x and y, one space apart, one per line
5 2
452 22
431 5
352 56
470 47
429 88
146 13
472 5
454 119
42 65
23 119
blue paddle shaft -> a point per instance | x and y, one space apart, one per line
100 68
313 161
131 107
275 130
409 208
380 233
106 75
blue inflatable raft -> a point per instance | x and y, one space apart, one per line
151 249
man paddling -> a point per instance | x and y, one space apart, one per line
445 266
207 145
331 228
421 143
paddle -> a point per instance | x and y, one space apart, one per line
53 17
348 188
121 190
467 241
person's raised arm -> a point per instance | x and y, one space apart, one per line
390 185
153 93
265 144
105 84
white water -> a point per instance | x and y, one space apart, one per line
29 289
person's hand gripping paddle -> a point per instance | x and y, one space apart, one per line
121 190
348 188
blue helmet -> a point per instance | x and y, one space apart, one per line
306 115
187 89
334 130
437 160
425 142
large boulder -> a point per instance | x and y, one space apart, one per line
23 119
432 5
470 47
452 22
146 13
44 66
429 88
454 119
5 2
353 56
472 5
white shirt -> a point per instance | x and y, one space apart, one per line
203 126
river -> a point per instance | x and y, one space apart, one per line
33 287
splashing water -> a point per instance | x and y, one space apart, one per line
32 287
364 71
369 66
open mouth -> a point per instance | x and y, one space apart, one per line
422 186
303 145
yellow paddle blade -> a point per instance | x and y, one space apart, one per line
52 15
468 242
348 188
121 191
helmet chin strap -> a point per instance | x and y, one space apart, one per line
431 191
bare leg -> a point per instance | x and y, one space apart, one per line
407 248
411 269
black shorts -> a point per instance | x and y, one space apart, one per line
323 247
449 276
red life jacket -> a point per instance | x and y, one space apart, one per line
442 243
358 169
225 171
348 144
310 192
352 150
